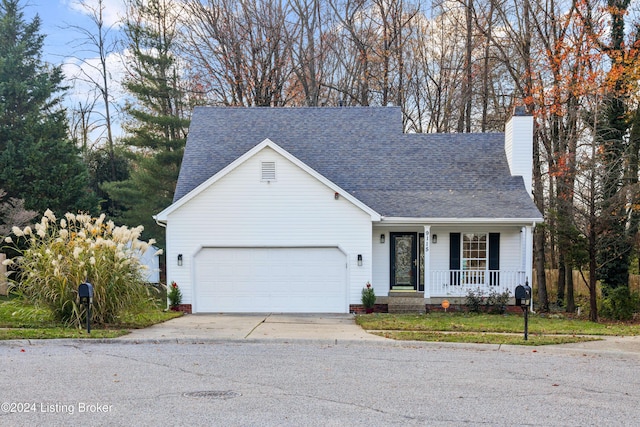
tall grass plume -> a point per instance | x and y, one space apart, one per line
62 253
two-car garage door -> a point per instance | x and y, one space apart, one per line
274 279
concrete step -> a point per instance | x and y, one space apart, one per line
398 294
405 301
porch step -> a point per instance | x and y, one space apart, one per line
403 302
400 294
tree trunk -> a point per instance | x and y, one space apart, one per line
593 296
541 278
561 280
539 232
464 120
571 303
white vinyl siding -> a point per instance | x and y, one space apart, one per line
297 210
518 148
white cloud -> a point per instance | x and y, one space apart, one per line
81 73
112 14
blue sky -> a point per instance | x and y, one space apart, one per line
62 46
58 15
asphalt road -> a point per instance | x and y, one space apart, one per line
306 384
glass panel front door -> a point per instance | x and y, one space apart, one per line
403 261
421 262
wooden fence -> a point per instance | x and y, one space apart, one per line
580 287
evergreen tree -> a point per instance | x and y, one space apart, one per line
158 131
612 126
103 166
38 162
615 243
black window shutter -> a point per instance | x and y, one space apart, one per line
454 258
494 259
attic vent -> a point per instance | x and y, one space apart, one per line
268 171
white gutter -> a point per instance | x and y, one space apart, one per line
160 223
410 220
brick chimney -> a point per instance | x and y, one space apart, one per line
518 145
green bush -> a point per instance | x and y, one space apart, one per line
368 296
494 302
60 255
474 300
174 295
620 304
497 302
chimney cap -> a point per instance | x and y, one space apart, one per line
520 110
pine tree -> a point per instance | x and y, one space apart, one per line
611 133
159 124
38 162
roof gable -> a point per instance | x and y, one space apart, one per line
267 143
363 151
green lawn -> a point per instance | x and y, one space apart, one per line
58 332
21 320
491 329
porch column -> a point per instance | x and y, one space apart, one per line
523 251
427 262
527 251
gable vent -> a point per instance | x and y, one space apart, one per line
268 171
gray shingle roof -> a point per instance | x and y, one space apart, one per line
365 152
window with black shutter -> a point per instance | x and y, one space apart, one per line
454 258
494 259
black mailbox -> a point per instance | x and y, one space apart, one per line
85 293
523 295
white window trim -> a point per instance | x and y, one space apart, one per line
474 275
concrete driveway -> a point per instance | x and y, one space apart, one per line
319 328
256 327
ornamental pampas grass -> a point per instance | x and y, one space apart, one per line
62 255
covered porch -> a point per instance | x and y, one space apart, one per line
444 261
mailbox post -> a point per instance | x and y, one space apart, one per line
523 299
85 294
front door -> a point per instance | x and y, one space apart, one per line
404 261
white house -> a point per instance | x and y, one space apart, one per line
151 261
296 209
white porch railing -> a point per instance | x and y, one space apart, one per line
458 283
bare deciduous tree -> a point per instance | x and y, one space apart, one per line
99 43
243 49
13 213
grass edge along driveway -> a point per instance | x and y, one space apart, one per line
22 320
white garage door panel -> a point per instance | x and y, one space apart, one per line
271 280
